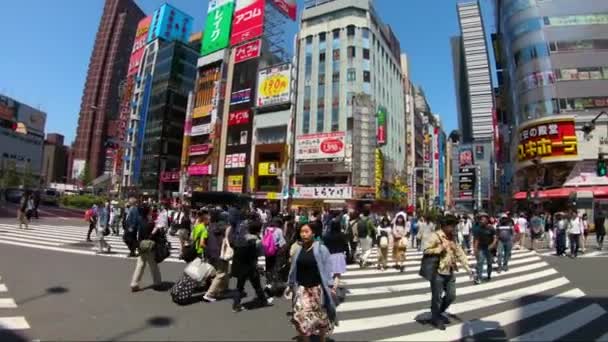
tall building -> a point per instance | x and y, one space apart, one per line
350 85
55 159
413 139
107 68
554 58
472 75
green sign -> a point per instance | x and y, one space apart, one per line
217 28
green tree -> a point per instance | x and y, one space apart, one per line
86 177
10 177
29 181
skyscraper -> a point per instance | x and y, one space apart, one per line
107 68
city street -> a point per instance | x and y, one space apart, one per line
56 288
9 210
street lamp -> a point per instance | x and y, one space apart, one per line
588 127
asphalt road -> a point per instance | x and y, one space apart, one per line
9 210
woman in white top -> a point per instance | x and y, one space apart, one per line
384 233
401 230
574 232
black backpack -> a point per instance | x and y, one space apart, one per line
237 236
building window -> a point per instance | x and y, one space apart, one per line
322 37
336 54
366 77
335 76
320 120
350 52
336 40
335 94
321 96
351 74
335 117
350 30
366 54
306 122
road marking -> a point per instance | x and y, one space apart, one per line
14 323
7 303
556 329
3 288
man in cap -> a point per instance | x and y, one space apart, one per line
484 240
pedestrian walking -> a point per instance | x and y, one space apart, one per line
384 232
444 254
218 226
575 229
146 232
425 231
131 226
505 242
273 243
584 233
600 227
400 236
200 232
90 217
312 288
36 204
103 229
365 232
484 236
337 245
561 228
353 237
22 211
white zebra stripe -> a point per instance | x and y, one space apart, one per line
7 303
14 323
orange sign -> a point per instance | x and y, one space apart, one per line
548 139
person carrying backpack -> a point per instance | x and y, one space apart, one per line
365 232
352 233
273 242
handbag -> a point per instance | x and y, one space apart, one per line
199 270
383 242
146 246
162 250
428 266
226 252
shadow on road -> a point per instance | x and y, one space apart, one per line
11 336
152 322
51 291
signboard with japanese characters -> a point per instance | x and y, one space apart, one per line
248 51
248 22
547 139
169 177
201 149
235 183
323 192
235 161
217 26
381 126
200 170
240 96
274 85
238 117
201 130
268 169
320 146
466 182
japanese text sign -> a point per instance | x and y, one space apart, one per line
235 183
199 170
287 7
549 139
381 128
274 85
248 22
323 192
240 96
141 37
217 27
268 169
234 161
201 149
320 146
239 117
248 51
200 130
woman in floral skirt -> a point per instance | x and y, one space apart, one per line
311 282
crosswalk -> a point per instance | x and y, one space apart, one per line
589 253
10 322
530 302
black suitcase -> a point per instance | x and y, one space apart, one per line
182 291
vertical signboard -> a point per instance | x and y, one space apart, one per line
287 7
274 85
248 22
436 161
217 27
248 51
141 37
381 126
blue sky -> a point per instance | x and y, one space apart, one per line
47 45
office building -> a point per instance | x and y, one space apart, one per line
55 159
350 106
107 68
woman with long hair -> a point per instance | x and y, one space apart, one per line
384 233
337 244
400 235
311 282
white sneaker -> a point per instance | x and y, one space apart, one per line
208 299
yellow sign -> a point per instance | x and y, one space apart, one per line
274 85
379 173
235 184
202 111
273 195
268 169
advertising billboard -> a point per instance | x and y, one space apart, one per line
381 126
207 93
217 26
274 85
465 156
200 149
235 161
268 169
287 7
238 117
320 146
240 96
235 183
200 170
8 108
378 172
170 24
78 166
139 44
248 51
547 139
201 130
248 21
466 182
323 192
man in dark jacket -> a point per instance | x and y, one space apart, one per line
217 232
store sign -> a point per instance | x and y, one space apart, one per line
248 21
268 169
208 89
287 7
320 146
200 170
466 182
217 27
235 184
381 126
465 157
201 149
378 172
240 96
169 177
547 139
239 117
201 130
274 85
235 161
323 192
141 38
248 51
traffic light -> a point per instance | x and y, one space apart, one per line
601 166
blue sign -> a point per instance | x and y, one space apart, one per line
240 96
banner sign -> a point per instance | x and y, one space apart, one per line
169 177
320 146
274 85
287 7
201 149
200 170
381 126
217 26
465 157
239 117
248 51
235 184
240 96
141 38
235 161
323 192
552 138
466 182
268 169
248 21
201 130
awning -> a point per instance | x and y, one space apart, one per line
597 191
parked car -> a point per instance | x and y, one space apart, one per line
13 195
50 196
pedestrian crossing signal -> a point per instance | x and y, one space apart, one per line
601 166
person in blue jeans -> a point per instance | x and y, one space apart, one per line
485 240
505 242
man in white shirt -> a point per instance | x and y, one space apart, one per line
522 223
574 233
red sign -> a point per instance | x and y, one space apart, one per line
287 7
381 135
199 170
238 117
141 38
547 139
248 51
169 177
197 150
331 146
248 22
